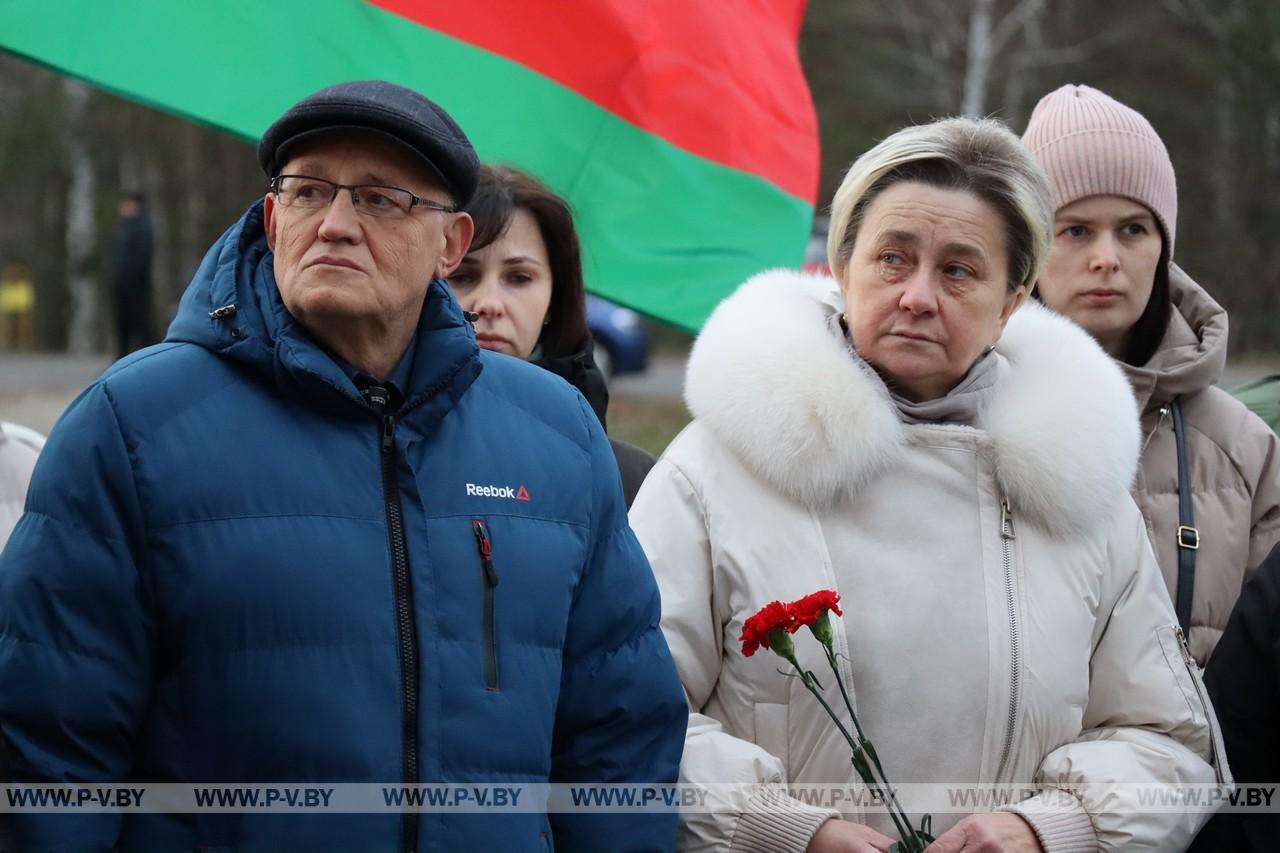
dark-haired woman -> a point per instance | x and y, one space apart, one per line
523 280
1110 270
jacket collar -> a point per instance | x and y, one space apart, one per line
579 370
1193 351
770 377
259 332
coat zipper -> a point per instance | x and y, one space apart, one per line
406 625
1164 413
1191 665
1015 644
485 548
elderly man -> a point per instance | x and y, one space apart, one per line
318 536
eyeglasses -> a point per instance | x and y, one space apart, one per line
307 193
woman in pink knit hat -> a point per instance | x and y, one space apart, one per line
1209 481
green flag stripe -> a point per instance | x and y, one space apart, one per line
728 87
664 231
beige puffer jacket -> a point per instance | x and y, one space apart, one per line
981 647
19 448
1234 459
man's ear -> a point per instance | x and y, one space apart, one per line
269 219
457 239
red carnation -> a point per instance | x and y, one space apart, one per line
774 616
772 628
811 608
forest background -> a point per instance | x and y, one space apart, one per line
1205 72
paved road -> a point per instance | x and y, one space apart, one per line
664 378
41 372
34 389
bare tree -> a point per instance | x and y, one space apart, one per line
978 57
81 232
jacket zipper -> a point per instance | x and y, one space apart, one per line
1191 665
1015 644
485 548
1164 413
406 625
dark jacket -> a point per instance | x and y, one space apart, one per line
131 282
580 370
1243 678
208 587
8 844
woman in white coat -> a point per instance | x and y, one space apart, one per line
956 464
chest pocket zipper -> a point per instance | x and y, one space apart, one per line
490 579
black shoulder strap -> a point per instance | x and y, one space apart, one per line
1188 536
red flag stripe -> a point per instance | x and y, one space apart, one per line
720 80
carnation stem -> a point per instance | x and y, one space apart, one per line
831 659
891 797
907 833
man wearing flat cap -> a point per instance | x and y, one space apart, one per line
317 536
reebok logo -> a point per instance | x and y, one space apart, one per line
515 494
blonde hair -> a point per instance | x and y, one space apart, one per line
979 156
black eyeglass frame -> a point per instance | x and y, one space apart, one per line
414 200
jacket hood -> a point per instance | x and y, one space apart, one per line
774 380
233 309
1193 351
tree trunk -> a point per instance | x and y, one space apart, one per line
1223 178
977 59
80 233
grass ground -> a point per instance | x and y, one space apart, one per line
648 422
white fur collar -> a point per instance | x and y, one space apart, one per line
770 377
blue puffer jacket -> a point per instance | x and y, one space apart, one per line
203 590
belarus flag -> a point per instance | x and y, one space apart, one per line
682 131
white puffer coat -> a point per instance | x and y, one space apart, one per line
1036 644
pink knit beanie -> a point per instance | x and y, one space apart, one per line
1091 144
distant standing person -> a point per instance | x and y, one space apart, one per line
131 275
1213 515
522 278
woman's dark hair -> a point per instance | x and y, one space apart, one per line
502 191
1148 330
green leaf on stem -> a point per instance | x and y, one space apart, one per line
864 769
